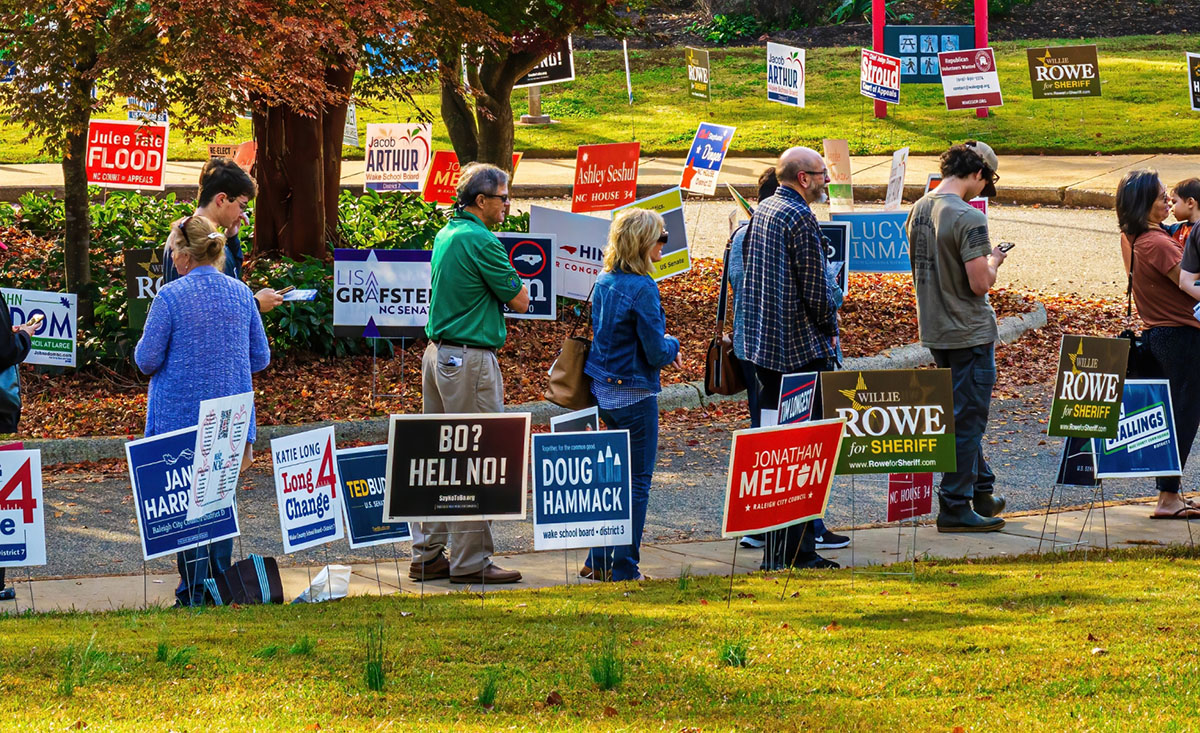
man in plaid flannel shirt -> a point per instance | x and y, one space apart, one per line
790 317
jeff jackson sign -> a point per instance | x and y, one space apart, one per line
1064 71
897 421
1087 393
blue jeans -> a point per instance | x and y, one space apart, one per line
198 563
641 420
973 374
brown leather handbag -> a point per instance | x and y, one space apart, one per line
722 368
569 387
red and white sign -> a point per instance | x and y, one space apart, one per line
605 176
909 495
444 172
22 509
779 476
935 179
126 154
879 77
969 79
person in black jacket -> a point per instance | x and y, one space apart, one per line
15 342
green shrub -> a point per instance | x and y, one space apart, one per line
128 220
724 29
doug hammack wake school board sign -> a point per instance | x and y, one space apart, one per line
460 467
582 493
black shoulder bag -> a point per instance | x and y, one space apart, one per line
1142 364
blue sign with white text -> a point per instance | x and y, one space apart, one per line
160 470
1146 444
878 241
362 473
581 490
796 393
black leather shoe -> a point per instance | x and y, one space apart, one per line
491 575
814 562
963 519
436 569
989 505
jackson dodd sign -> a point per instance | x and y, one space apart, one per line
897 421
1087 393
1064 71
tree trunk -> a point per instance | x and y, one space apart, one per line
456 113
341 77
299 167
77 225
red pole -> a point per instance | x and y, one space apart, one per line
981 38
878 18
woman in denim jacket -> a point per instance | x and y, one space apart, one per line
629 348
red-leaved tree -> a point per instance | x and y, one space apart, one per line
294 63
479 119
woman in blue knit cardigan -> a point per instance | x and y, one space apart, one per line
203 339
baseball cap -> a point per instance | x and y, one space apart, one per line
991 161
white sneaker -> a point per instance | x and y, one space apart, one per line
751 542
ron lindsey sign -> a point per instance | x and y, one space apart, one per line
1087 392
897 421
1064 71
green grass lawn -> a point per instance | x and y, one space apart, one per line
1144 107
1034 645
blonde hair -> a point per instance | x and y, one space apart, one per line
203 241
633 234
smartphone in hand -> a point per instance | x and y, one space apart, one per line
35 320
1005 246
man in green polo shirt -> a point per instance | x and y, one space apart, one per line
472 281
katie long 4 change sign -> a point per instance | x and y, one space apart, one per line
582 493
22 509
897 421
1087 391
306 489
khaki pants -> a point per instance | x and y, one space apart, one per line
458 379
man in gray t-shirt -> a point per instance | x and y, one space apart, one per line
954 266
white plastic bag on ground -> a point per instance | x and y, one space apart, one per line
331 583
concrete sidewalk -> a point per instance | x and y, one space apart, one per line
1052 180
1118 526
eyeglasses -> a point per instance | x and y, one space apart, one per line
662 238
243 205
183 224
503 197
991 175
823 173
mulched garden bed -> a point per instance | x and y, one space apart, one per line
665 26
879 313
